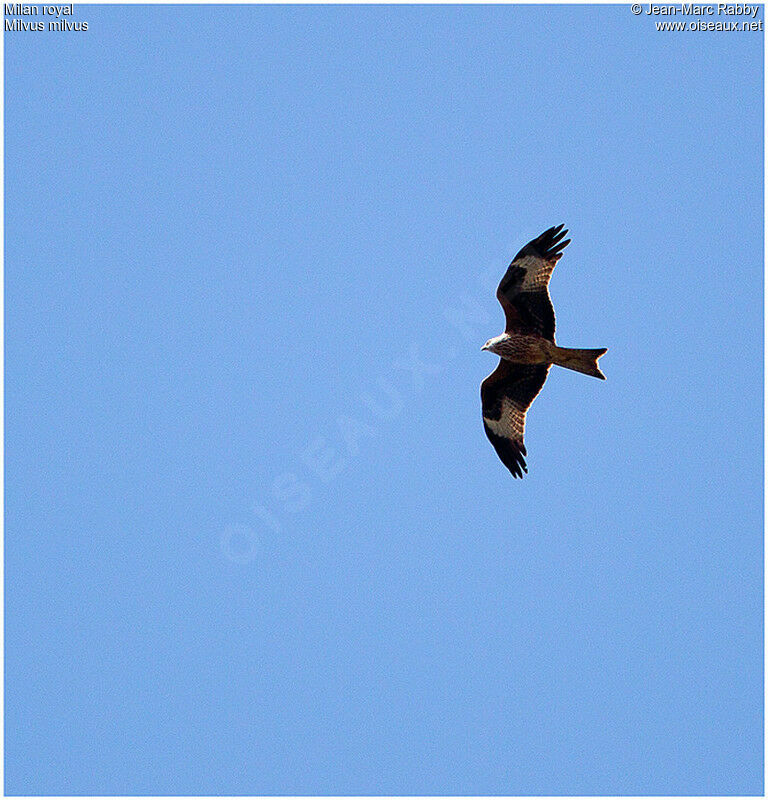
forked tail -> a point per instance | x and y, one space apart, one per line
580 360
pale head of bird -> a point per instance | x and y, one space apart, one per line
492 345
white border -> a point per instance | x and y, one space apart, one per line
2 367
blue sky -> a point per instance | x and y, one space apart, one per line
256 540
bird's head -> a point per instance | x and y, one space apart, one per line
492 344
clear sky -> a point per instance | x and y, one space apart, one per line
256 539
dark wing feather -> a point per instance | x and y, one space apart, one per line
524 289
507 393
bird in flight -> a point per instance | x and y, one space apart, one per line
527 347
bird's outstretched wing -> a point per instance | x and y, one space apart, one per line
507 393
524 289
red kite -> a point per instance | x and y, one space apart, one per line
527 348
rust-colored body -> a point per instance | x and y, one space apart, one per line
525 349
